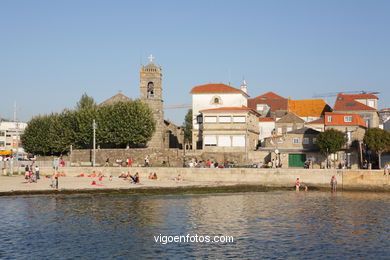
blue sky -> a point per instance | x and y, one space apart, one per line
51 52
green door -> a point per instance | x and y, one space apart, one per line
296 160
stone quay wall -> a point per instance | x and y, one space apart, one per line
347 179
157 157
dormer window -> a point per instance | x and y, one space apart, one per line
216 100
348 119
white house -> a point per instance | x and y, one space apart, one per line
10 132
212 96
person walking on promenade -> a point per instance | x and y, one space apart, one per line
37 172
146 161
107 162
386 170
297 184
333 183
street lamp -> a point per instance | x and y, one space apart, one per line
94 143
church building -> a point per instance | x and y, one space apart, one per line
167 134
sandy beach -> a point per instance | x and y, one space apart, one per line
18 184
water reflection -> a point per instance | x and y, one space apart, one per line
264 225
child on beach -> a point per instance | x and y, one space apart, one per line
297 184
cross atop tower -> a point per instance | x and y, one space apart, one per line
151 58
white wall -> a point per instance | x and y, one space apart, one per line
205 101
265 129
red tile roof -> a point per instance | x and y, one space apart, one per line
266 119
338 119
243 108
215 88
274 104
269 95
361 96
348 103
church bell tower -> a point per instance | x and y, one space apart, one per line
151 94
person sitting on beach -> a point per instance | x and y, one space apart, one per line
110 179
123 175
150 176
153 176
80 175
135 178
62 174
178 178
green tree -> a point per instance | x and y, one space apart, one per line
377 140
331 141
85 102
124 124
118 125
188 126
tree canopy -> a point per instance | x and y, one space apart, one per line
119 125
377 140
188 126
330 141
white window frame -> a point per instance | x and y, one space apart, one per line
239 119
210 119
210 140
223 143
240 137
225 119
295 140
348 119
330 118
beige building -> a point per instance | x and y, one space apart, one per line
288 123
229 129
295 147
364 105
354 127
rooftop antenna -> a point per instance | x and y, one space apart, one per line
15 111
229 75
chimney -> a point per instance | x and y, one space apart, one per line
244 86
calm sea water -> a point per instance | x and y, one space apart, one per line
277 225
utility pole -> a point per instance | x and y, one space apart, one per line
94 143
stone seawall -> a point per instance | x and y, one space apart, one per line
347 179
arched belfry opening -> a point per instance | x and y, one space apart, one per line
150 89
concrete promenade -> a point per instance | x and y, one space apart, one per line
373 180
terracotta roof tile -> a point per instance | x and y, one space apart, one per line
269 95
308 107
361 96
348 103
338 119
274 104
266 119
215 88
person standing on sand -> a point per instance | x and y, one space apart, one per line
333 183
297 184
37 172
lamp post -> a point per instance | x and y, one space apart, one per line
94 143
